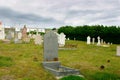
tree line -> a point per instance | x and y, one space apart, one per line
107 33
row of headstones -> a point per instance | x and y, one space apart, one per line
100 41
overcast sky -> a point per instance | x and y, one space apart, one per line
56 13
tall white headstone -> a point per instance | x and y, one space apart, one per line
118 51
88 40
61 39
93 40
98 40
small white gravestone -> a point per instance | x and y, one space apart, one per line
68 38
88 40
93 40
13 34
118 51
19 35
61 39
98 40
101 41
38 39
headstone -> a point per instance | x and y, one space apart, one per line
9 35
102 41
98 40
33 36
50 47
68 38
2 32
13 34
61 39
93 40
51 62
19 35
118 51
88 40
38 39
24 33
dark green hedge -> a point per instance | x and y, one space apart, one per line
107 33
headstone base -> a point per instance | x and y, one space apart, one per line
55 68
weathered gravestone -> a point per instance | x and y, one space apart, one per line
38 39
51 62
50 47
118 51
9 35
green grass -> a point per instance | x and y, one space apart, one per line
23 61
5 61
72 77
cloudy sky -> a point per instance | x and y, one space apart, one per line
56 13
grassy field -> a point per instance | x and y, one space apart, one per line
23 61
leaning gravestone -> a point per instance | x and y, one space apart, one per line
118 51
51 62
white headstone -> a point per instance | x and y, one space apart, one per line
61 39
93 40
19 35
88 40
102 41
38 39
98 40
118 51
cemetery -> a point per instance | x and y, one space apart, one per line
39 57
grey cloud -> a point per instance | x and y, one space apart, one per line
7 14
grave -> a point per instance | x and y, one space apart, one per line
61 39
24 33
98 44
118 51
38 39
9 35
51 61
88 40
2 32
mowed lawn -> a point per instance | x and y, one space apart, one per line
24 61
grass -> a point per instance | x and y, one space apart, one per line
72 77
23 61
